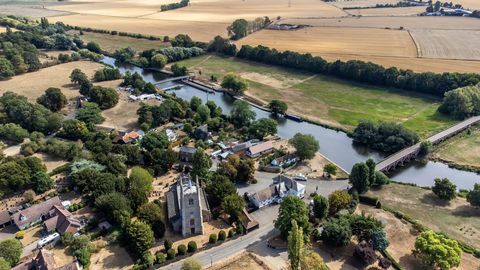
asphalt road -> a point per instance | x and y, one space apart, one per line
255 241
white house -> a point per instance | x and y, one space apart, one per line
282 186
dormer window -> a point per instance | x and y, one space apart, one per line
22 217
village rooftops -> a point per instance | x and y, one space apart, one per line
34 213
129 137
45 260
259 149
4 217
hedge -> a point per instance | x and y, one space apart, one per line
395 264
373 201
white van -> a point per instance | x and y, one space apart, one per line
47 240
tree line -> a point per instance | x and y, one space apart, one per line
182 3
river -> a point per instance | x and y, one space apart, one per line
335 145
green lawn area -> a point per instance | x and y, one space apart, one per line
457 219
326 99
463 149
110 43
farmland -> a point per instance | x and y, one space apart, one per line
463 149
326 99
450 44
404 11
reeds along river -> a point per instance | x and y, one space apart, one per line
335 145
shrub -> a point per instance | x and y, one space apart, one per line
365 253
222 235
212 239
20 234
170 254
160 258
231 233
168 244
192 246
182 249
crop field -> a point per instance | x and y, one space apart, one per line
470 4
362 3
457 219
33 84
333 40
403 11
463 149
450 44
325 99
111 43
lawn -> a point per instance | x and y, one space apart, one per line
463 149
457 219
110 43
326 99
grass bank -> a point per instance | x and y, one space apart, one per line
326 100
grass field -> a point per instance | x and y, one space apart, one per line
463 149
449 44
110 43
458 219
326 99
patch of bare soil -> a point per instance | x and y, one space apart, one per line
110 257
50 161
243 261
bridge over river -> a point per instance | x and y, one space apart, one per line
407 154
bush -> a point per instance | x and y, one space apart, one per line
20 234
365 253
167 244
212 239
373 201
231 233
170 254
222 235
160 258
182 250
192 246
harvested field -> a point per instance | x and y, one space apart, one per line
449 44
401 11
463 149
28 9
110 43
126 8
417 22
328 40
242 261
362 3
457 219
201 31
33 84
325 99
470 4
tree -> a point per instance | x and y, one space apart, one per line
200 165
153 140
292 208
330 169
140 237
53 99
233 205
320 207
437 250
371 171
263 127
94 47
338 200
425 148
203 113
139 186
359 177
381 179
311 260
73 129
152 214
219 187
365 253
105 97
90 113
337 232
444 189
245 170
378 240
295 245
238 29
473 197
305 145
179 70
11 250
116 207
191 264
363 226
241 114
158 61
77 76
278 106
6 69
234 83
13 133
41 182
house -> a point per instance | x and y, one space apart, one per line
186 153
201 133
61 220
187 207
260 149
285 161
34 214
171 134
5 218
240 148
129 137
45 260
282 186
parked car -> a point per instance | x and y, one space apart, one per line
300 177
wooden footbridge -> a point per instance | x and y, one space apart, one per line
407 154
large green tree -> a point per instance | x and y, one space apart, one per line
53 99
262 127
238 29
444 189
233 205
473 197
140 237
337 232
116 207
234 83
139 186
200 165
153 140
158 61
338 200
359 177
10 250
437 251
278 106
292 208
90 113
320 206
241 114
219 187
305 145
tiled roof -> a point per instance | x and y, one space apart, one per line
35 212
4 217
261 147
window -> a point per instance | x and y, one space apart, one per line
190 201
192 222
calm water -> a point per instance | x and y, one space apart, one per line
335 145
